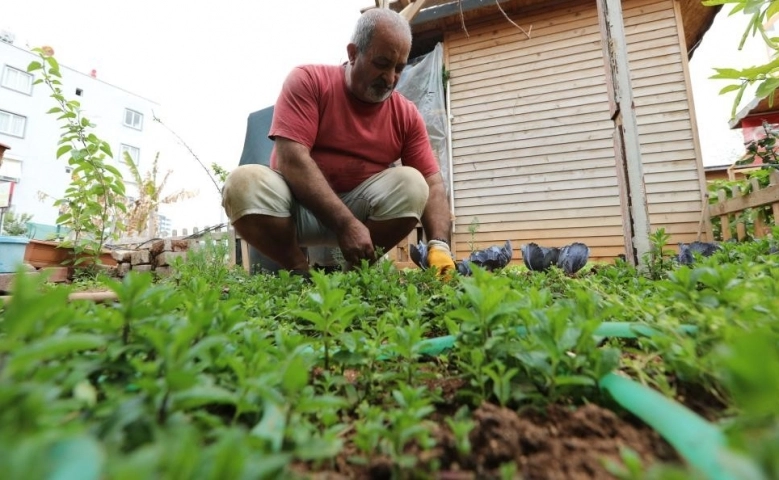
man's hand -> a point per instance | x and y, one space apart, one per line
439 256
355 242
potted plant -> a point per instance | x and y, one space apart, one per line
13 240
94 201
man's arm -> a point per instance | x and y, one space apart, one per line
311 189
436 218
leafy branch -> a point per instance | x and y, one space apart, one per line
765 75
95 197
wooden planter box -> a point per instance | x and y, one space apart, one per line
41 253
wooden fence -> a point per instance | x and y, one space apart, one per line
758 197
400 254
221 233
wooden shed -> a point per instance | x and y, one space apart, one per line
532 136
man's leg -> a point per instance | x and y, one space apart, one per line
388 233
274 237
258 202
396 200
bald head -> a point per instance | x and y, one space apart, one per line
369 22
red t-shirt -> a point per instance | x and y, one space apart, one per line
350 140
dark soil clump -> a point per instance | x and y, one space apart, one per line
558 443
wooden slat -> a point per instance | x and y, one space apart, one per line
543 125
538 164
510 212
245 260
532 85
775 206
566 219
506 158
665 137
653 73
536 181
542 121
508 70
509 201
670 219
530 234
674 186
657 89
508 116
655 178
667 147
666 197
537 218
514 108
766 196
589 74
585 131
557 21
677 207
573 105
670 167
503 143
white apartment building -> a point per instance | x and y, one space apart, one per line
123 119
164 225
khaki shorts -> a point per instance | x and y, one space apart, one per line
398 192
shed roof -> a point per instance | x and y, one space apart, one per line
443 14
757 107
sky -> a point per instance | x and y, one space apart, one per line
210 64
719 144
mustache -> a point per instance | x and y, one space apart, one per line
382 86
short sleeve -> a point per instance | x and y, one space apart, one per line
296 113
417 151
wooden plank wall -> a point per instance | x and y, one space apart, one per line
532 139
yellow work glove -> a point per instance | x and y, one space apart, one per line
439 256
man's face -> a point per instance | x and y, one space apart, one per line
374 73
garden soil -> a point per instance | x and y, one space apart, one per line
558 443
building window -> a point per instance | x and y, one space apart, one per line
12 124
134 152
133 119
18 80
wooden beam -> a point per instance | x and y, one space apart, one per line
411 10
97 297
404 3
626 128
705 219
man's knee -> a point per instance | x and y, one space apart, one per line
255 189
413 184
404 193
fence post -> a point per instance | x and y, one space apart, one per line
741 230
775 205
759 224
245 261
724 222
231 243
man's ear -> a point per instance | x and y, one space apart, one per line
351 51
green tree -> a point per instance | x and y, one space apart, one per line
765 76
16 225
94 200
